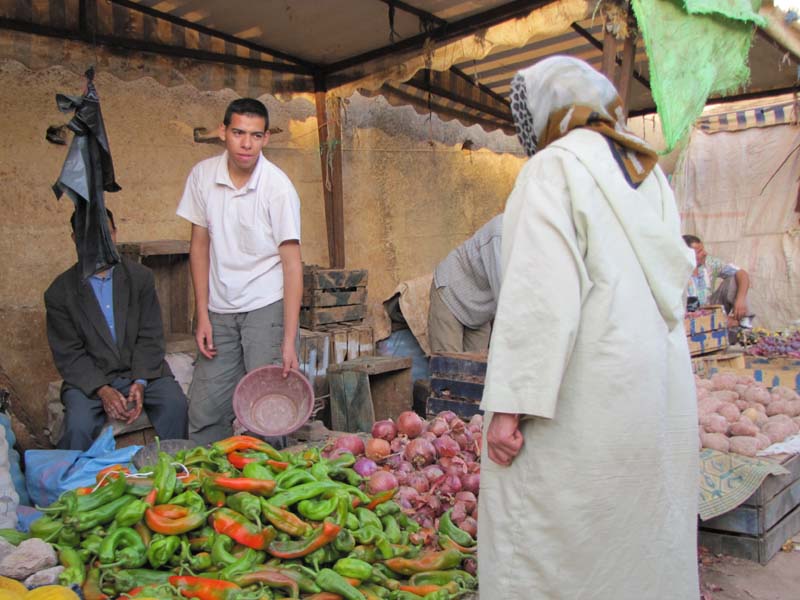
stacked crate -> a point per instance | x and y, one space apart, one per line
332 296
456 384
706 332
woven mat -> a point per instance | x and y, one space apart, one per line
727 480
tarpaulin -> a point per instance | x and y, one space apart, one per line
86 174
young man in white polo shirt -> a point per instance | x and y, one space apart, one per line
246 267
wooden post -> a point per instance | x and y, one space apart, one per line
609 54
625 73
330 143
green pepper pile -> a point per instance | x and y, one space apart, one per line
242 520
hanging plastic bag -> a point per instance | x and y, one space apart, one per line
49 473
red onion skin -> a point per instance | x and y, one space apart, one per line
466 498
352 443
459 512
457 426
399 443
377 449
385 430
471 566
476 423
446 446
365 466
469 525
451 484
471 482
418 481
447 415
420 452
438 426
410 424
381 481
433 472
407 497
428 435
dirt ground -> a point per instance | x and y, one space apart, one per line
728 578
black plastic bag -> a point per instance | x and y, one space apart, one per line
87 172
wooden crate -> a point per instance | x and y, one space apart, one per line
708 332
169 261
785 377
367 389
456 383
314 355
332 296
758 528
703 365
349 341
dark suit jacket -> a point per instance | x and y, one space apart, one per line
83 350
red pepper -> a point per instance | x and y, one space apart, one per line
171 511
297 548
239 460
381 498
245 442
447 543
324 596
429 561
84 491
278 465
424 590
91 586
261 487
204 588
285 520
101 477
238 527
271 578
168 526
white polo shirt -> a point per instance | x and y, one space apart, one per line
246 226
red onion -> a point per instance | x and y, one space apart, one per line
420 452
410 423
385 430
418 481
457 426
407 497
450 485
459 512
469 525
377 449
438 426
432 503
393 461
476 423
433 472
469 458
453 464
399 443
471 482
464 440
466 498
471 566
428 435
381 481
351 443
446 446
447 415
365 466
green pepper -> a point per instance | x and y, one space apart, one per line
247 504
353 568
406 522
317 510
391 529
46 528
320 470
330 581
406 550
123 547
68 537
347 474
132 513
99 516
190 499
303 576
377 590
165 479
257 471
387 508
343 505
367 518
293 477
370 535
202 539
161 549
402 595
222 553
214 496
352 522
305 491
92 543
344 542
325 555
74 571
14 536
242 565
345 459
365 553
450 529
463 578
128 579
429 561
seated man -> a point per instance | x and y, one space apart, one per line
730 293
108 344
464 293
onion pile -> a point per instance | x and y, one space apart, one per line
433 464
774 344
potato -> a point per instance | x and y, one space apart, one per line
777 431
793 408
744 427
785 393
707 406
725 395
745 445
757 393
715 441
723 381
714 423
740 389
759 407
741 404
763 441
754 415
745 380
778 407
729 411
703 393
703 384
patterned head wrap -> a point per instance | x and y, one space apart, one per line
561 93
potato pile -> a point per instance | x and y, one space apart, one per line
739 415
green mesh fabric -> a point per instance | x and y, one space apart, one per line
695 49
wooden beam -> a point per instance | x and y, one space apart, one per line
599 45
422 81
625 72
330 144
609 54
417 12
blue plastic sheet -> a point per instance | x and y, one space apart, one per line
17 478
49 473
403 343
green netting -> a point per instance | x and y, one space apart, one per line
695 49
